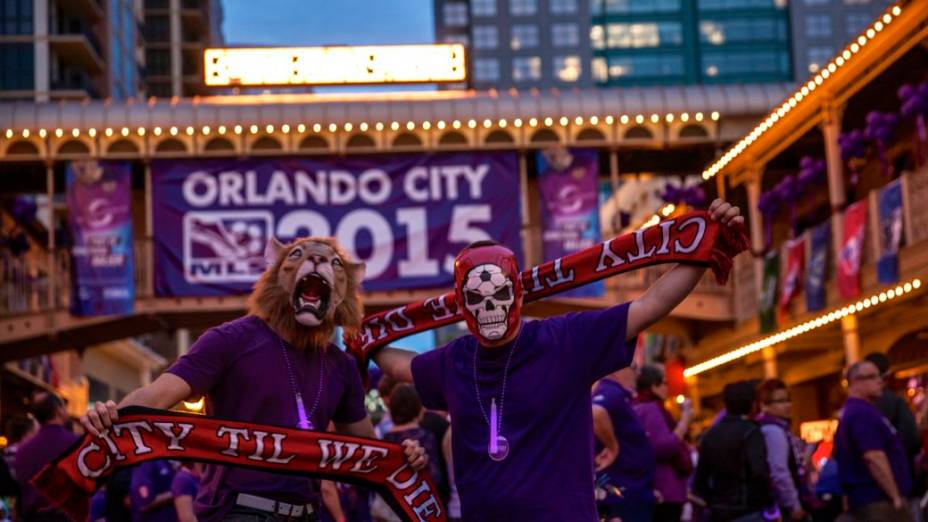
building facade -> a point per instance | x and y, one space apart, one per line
823 27
56 49
176 33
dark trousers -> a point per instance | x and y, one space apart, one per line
668 512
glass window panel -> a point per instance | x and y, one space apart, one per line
523 7
565 35
563 6
567 68
524 37
526 68
483 7
485 37
818 25
486 69
455 14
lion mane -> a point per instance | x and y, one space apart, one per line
271 302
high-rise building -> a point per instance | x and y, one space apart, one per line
547 43
55 49
821 28
176 33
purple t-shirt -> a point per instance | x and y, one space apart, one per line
185 484
863 428
50 442
633 470
240 368
546 415
150 479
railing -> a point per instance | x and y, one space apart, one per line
64 27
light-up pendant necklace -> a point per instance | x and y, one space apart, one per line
498 448
304 422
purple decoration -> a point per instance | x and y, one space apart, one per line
881 127
769 204
23 209
853 150
915 105
693 196
811 173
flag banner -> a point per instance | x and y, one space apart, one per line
816 270
692 238
768 297
143 434
100 221
567 180
852 247
887 266
792 279
406 216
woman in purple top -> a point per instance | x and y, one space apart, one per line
674 465
518 392
184 487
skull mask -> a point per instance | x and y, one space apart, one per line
489 292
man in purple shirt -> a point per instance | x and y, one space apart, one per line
632 471
266 368
50 442
150 492
872 463
518 392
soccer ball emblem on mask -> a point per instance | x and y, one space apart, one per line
488 296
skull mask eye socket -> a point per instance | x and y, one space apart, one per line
503 294
473 298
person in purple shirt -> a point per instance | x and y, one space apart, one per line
50 442
150 491
872 463
278 366
518 392
632 470
184 487
674 465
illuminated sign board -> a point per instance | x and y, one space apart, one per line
336 65
819 430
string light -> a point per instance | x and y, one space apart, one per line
363 126
348 127
285 128
140 131
42 133
221 130
410 125
301 128
441 125
156 131
108 132
58 133
76 133
456 124
333 127
801 328
237 129
317 127
379 126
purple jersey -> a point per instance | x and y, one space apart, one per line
546 414
240 368
150 479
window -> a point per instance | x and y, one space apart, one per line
642 6
486 69
855 23
157 28
483 7
526 68
567 68
711 5
455 14
720 32
764 63
817 2
818 25
565 35
485 37
563 6
158 62
597 37
17 67
599 69
524 37
856 2
16 17
818 56
523 7
621 67
462 39
649 34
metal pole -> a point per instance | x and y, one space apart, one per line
614 170
526 215
50 255
149 234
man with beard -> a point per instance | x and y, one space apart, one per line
518 392
276 365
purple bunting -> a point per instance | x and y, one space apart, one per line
881 127
693 196
853 146
915 105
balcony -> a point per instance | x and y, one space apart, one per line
78 87
76 45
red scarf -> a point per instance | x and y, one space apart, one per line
143 434
692 238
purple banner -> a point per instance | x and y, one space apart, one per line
101 227
567 180
406 216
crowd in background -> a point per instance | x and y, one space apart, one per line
748 466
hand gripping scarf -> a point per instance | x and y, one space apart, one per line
143 434
692 238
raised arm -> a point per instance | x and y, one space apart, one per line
166 391
396 363
670 290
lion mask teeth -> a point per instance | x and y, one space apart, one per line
312 295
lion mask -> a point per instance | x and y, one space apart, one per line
310 287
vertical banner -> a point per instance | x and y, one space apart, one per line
792 279
887 267
816 270
567 179
101 228
406 216
852 247
768 299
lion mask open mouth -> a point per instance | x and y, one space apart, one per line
312 295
